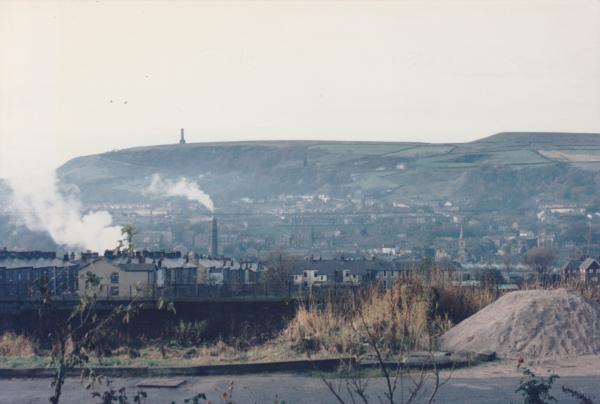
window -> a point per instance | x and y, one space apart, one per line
114 291
114 278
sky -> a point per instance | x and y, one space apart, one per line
79 78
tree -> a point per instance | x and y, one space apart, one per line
129 231
276 279
425 267
490 277
540 259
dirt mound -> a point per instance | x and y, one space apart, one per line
534 323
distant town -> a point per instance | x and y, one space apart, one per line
499 225
504 259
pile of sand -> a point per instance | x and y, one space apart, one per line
534 323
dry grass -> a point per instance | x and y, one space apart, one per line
588 290
458 303
406 317
17 345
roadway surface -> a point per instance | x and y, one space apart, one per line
289 388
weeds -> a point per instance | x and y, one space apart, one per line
536 389
112 394
402 386
582 398
17 345
408 316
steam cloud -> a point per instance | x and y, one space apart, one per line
183 187
40 205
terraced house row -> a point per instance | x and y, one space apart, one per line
33 274
30 275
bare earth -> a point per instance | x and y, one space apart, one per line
535 324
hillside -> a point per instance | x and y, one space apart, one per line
504 169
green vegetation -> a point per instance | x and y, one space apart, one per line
361 148
421 151
506 171
536 389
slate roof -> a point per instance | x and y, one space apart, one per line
137 267
588 263
12 263
571 266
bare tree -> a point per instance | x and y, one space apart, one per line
540 259
276 278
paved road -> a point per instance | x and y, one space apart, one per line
288 387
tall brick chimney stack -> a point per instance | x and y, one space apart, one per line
214 240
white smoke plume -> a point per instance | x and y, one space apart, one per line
38 203
183 187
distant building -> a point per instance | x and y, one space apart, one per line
584 269
176 272
344 272
31 274
26 275
121 277
182 138
570 270
228 272
589 270
310 278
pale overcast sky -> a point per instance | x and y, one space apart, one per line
86 77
